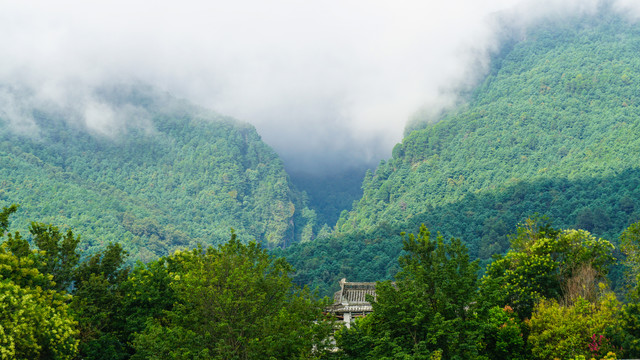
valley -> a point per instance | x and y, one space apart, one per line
138 225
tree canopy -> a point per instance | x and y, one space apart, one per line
426 311
235 302
186 177
552 129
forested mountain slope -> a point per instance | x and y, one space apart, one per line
182 176
554 129
329 193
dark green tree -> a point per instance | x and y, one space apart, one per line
98 305
630 246
628 332
58 255
4 217
235 302
503 334
147 294
426 312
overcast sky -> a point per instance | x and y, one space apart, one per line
323 81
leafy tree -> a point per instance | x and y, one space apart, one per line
426 311
234 302
544 263
98 304
504 336
564 332
35 322
630 245
147 294
4 217
58 254
628 332
627 335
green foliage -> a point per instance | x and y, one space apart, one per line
58 255
147 294
99 307
503 335
234 302
426 311
579 329
35 322
554 277
39 279
322 262
183 177
237 301
4 217
630 245
627 333
546 264
95 322
552 130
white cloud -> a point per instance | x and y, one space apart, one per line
329 78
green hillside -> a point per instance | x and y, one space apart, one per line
184 176
554 129
330 192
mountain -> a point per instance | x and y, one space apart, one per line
330 192
159 174
553 129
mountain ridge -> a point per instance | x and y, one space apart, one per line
552 130
188 179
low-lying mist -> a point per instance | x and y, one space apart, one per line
329 85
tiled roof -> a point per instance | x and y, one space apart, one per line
352 297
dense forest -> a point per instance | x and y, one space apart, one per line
546 298
173 176
507 229
234 301
329 192
553 130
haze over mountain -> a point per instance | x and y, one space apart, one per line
328 85
331 90
172 176
516 176
553 130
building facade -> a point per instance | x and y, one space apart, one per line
350 301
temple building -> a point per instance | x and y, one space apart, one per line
351 302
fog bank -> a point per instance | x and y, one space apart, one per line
327 84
